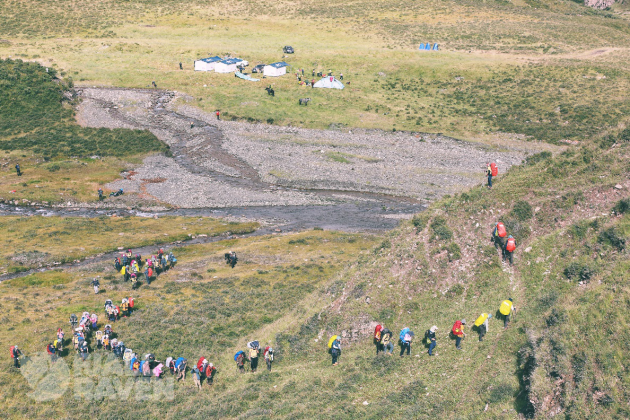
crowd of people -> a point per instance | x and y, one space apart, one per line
132 267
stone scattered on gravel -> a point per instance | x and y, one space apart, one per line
229 164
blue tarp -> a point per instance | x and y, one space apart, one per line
229 61
427 47
210 59
278 64
245 77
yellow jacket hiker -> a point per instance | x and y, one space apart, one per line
506 309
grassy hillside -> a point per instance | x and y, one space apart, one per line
504 67
60 159
563 354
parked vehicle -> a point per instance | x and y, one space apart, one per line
258 68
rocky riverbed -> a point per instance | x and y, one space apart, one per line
219 164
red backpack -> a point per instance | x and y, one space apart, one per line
457 327
11 349
150 272
131 302
501 230
494 169
511 244
377 332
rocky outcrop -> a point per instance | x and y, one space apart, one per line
600 4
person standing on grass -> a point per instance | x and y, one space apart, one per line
335 351
154 84
489 174
508 249
506 310
268 355
253 359
95 283
432 340
340 76
458 331
180 66
15 354
405 342
498 237
17 169
386 342
312 83
218 114
52 352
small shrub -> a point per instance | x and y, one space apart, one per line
386 244
420 221
612 237
622 206
580 272
453 250
456 290
522 211
440 229
538 157
556 317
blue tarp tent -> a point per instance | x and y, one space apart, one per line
245 76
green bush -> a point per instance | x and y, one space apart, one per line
420 221
522 211
612 237
453 250
538 157
622 206
578 271
440 229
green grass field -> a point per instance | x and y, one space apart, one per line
518 67
546 70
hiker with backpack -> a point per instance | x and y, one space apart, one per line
498 237
378 337
210 372
180 368
508 249
429 336
60 335
335 351
482 324
196 377
268 355
15 355
51 350
506 310
83 349
386 342
95 283
406 337
124 307
230 258
240 359
18 170
253 347
491 171
458 332
73 321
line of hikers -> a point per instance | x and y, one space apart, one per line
131 267
253 353
383 337
506 245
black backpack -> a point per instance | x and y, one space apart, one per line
427 336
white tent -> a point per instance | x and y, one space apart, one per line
329 82
227 66
275 69
206 64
